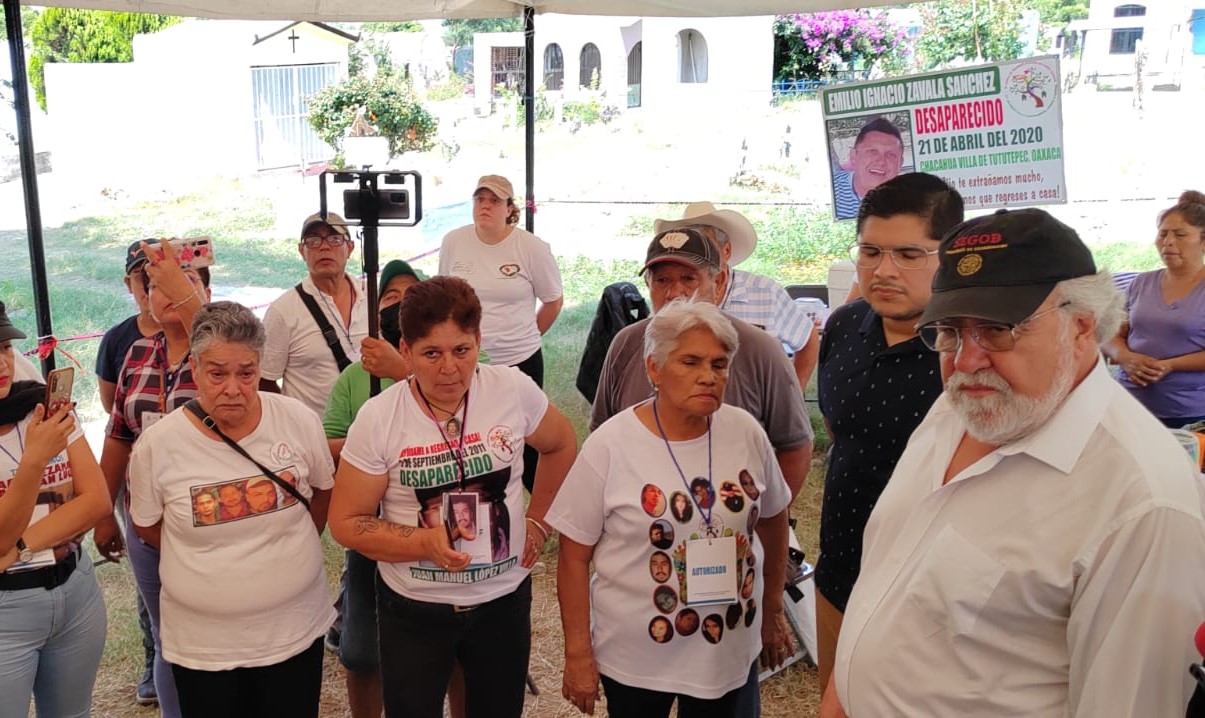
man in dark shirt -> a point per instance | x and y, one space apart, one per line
877 379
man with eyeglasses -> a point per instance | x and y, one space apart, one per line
876 378
297 353
1037 551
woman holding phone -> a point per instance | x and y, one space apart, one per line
52 613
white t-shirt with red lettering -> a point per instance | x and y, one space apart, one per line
392 436
57 486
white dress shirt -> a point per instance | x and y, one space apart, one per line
1062 575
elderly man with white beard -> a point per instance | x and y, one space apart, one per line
1037 551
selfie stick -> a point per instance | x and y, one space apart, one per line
365 205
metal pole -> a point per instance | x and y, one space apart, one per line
29 173
529 109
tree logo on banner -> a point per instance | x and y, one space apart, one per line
1031 88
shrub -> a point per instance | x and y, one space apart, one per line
387 99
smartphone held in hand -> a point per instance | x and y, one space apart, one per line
58 388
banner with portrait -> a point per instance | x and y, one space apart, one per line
993 132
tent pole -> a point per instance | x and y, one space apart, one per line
29 173
529 109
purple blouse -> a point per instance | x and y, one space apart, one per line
1163 330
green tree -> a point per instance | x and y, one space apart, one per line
28 16
402 26
1057 13
459 33
988 30
70 35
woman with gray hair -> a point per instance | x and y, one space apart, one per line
244 603
666 446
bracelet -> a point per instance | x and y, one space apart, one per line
186 300
540 526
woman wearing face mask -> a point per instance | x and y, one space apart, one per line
358 650
1161 347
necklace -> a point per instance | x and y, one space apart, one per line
453 424
445 428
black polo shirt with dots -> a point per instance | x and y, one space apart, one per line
873 396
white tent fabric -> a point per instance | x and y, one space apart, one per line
371 10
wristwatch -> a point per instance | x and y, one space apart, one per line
24 553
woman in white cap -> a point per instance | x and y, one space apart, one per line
516 278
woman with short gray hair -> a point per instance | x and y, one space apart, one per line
244 603
661 574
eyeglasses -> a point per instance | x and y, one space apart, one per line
993 337
334 240
869 256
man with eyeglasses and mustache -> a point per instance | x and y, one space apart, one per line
1037 549
297 353
876 378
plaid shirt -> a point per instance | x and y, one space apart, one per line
145 383
763 303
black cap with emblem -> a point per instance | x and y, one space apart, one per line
1002 266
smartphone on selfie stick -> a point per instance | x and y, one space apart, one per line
383 199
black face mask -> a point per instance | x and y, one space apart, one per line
391 329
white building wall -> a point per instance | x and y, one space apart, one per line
740 58
1165 36
185 100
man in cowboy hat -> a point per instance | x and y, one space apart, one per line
753 298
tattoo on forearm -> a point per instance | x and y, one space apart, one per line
372 524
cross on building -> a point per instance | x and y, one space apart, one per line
293 37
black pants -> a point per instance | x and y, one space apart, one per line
627 702
420 642
289 689
532 366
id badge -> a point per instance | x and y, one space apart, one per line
711 571
150 418
467 519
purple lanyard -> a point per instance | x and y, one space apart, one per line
705 513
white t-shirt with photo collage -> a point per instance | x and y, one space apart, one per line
244 583
392 436
625 497
56 487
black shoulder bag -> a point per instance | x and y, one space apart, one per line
324 325
210 424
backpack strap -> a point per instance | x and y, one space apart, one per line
324 325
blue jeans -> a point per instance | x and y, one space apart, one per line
420 642
145 561
358 651
50 646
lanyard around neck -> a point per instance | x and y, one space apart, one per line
20 443
704 512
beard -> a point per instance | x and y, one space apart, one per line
1006 417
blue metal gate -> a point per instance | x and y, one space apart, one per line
283 136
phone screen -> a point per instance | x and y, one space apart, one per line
58 388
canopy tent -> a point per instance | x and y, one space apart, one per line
351 11
377 10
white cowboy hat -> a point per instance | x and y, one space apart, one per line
741 234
